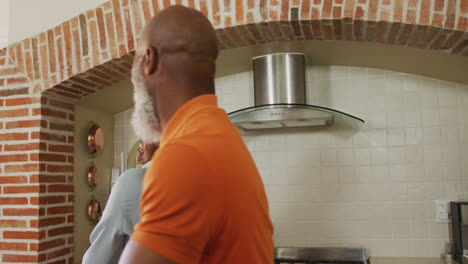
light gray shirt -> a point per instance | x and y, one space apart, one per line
122 212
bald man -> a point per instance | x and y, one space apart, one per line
203 200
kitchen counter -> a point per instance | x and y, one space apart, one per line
383 260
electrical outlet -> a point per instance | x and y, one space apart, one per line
442 211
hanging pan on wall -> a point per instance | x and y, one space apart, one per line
94 211
92 176
95 140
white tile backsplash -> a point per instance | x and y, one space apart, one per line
374 188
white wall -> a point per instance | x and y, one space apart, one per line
375 188
4 17
31 17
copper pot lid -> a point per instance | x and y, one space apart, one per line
93 176
95 139
94 211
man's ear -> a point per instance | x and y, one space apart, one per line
150 61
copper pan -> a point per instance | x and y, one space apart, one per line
94 211
95 139
93 176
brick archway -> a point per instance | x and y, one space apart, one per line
43 76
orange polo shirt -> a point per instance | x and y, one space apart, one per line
203 200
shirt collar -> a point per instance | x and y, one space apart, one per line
184 113
146 165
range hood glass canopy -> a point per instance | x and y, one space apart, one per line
279 84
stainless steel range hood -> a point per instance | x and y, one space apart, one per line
280 97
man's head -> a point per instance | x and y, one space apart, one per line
145 151
174 62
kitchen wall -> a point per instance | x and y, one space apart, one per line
375 188
104 162
27 22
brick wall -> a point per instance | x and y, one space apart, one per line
43 76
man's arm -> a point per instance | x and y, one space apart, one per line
134 251
179 214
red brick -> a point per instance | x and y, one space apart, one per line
10 92
19 57
349 8
413 3
373 7
77 58
53 188
146 10
285 10
46 178
17 80
49 112
68 48
439 5
14 113
29 65
20 234
23 124
425 14
21 189
359 13
239 11
51 46
13 136
111 36
136 16
336 12
25 147
59 168
60 231
464 6
263 10
59 210
315 13
437 20
398 11
13 158
22 101
44 245
21 211
13 246
47 157
71 139
411 17
12 224
58 253
48 136
22 168
35 58
450 14
20 258
13 200
462 23
94 42
60 57
43 200
44 64
70 159
70 218
128 30
156 6
71 198
13 179
60 148
62 127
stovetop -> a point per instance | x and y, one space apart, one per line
325 255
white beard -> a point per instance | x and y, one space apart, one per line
144 121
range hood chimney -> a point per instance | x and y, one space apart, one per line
280 97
